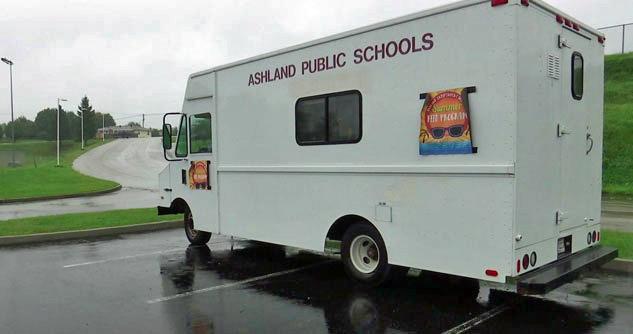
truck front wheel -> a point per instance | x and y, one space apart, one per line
195 237
364 255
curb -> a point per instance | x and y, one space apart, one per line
97 232
619 266
48 198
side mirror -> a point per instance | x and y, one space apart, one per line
167 136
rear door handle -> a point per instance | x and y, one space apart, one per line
590 140
561 130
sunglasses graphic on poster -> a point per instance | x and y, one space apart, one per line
445 122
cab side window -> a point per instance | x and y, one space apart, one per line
181 143
200 136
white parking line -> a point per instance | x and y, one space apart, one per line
124 257
137 255
468 325
232 284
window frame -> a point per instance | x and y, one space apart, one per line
573 75
183 118
189 133
326 97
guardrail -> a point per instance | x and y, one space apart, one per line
618 38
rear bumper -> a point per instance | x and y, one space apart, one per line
555 274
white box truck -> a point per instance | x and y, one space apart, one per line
465 139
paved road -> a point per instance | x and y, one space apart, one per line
134 163
153 283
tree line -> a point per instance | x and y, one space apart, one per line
45 124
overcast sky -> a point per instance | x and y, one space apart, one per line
133 56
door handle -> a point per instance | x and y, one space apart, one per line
590 140
561 130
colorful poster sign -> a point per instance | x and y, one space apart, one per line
445 122
199 175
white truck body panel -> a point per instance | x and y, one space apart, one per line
457 214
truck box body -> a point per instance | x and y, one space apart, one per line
532 179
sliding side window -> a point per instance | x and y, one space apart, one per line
329 119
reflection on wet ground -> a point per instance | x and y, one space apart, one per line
152 283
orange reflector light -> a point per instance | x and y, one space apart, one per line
491 273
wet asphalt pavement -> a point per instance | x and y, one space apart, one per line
154 283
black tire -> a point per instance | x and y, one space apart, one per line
195 237
383 271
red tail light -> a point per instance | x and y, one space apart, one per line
598 238
495 3
576 26
560 19
518 266
568 22
601 40
492 273
525 2
526 261
593 236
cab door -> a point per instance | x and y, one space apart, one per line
574 132
196 173
202 183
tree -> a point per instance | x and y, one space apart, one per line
134 124
109 121
46 124
24 128
70 126
2 130
90 119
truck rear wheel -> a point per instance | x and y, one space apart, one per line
364 255
195 237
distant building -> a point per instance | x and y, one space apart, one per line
123 131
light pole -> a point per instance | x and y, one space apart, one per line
82 130
59 110
103 127
10 63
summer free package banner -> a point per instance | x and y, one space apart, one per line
445 122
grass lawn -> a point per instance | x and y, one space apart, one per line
81 221
617 176
38 176
621 240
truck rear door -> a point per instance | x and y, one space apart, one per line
575 133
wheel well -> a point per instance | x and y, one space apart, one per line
179 205
339 227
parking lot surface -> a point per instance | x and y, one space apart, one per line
154 283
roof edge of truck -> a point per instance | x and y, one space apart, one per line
384 24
